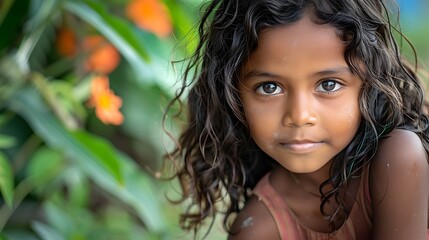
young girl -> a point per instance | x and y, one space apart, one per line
304 123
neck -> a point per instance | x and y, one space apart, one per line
308 181
316 177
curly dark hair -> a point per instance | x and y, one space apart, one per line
218 160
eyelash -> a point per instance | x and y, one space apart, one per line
259 88
338 87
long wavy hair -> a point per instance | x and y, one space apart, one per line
218 160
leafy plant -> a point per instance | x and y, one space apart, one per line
83 84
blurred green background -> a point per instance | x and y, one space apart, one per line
83 87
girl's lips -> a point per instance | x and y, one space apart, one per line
301 146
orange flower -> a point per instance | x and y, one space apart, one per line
66 42
102 56
106 103
150 15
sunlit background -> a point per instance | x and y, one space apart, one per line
83 86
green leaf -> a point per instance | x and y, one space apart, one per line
46 232
59 219
29 105
6 141
6 180
122 27
21 234
136 189
42 164
116 30
64 92
100 149
141 194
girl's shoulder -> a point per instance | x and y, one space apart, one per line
401 148
401 155
399 173
254 221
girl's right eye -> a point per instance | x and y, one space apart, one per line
269 88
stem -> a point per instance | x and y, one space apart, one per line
25 186
59 67
32 143
38 24
43 87
22 190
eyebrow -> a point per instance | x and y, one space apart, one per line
257 73
335 70
324 72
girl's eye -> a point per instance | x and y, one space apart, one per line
328 86
269 89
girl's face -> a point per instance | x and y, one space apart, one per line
299 96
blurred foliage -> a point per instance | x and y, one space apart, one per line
413 25
83 85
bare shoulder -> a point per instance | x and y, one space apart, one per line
400 155
399 175
401 148
254 222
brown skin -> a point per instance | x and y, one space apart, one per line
310 111
399 188
301 103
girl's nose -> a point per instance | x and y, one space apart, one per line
299 110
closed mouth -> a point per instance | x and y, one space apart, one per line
301 146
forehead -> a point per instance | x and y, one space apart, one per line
302 43
303 30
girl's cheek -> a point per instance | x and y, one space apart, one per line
352 116
349 119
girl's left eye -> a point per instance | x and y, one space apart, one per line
328 86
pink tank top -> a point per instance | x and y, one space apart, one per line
357 226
